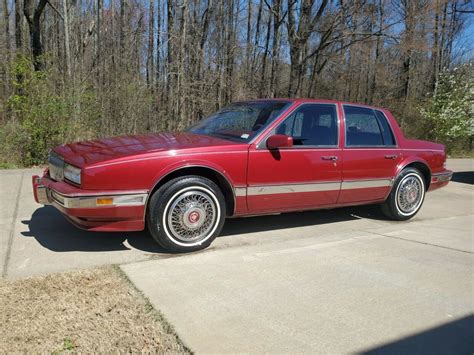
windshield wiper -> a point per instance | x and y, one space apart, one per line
226 135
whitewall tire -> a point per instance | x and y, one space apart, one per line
186 214
407 195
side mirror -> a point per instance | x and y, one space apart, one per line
279 141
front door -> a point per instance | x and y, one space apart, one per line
307 175
370 155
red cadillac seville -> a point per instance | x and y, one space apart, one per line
250 158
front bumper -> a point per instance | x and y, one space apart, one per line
93 210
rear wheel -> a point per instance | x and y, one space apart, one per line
407 195
186 214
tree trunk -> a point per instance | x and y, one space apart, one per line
277 20
98 34
229 55
66 38
248 41
6 19
33 17
18 26
298 36
150 61
378 44
158 42
122 26
262 86
181 100
169 53
407 44
256 40
6 64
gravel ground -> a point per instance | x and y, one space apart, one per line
86 311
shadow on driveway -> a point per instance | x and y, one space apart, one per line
466 177
452 338
54 232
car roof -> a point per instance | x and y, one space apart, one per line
304 100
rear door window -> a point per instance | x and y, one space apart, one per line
362 127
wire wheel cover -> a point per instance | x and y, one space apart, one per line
191 216
410 193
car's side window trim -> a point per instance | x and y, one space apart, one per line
262 144
389 127
367 146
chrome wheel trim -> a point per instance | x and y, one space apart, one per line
410 194
183 204
191 216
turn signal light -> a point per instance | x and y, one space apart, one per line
104 201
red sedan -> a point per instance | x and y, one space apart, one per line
250 158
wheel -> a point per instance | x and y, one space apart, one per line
407 195
186 214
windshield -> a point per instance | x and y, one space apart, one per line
240 121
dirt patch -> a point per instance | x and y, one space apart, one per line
86 311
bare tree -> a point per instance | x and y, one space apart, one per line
6 19
298 35
33 16
150 60
66 38
114 67
278 18
18 25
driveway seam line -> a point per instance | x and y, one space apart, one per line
12 229
418 242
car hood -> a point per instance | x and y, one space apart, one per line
100 150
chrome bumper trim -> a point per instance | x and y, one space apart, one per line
441 177
42 195
119 200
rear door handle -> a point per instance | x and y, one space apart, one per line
333 158
391 156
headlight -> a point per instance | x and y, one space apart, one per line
72 173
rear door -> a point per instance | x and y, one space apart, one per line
370 155
307 175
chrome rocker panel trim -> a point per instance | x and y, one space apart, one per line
312 187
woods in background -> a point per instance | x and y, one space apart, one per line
76 69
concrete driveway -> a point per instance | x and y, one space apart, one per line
326 281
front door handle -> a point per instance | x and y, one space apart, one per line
332 157
391 156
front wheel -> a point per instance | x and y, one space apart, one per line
186 214
407 195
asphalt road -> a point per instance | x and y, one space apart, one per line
327 281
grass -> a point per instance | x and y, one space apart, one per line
85 311
68 344
461 155
6 165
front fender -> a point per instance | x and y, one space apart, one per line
191 163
